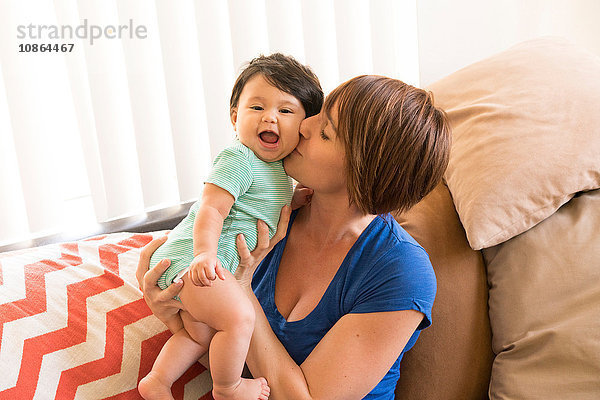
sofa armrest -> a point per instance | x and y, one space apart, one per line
453 358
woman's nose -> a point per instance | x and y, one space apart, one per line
306 126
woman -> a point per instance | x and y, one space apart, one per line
346 292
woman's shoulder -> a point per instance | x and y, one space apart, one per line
390 238
385 248
391 271
392 252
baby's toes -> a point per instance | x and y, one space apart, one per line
265 389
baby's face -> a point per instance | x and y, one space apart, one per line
267 120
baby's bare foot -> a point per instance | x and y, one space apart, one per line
151 388
246 389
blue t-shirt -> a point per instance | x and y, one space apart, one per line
385 270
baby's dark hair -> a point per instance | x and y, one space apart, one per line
286 74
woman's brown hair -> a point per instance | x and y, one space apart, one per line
397 143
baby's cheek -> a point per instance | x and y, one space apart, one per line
292 136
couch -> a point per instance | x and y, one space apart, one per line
512 233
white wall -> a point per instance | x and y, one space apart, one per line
454 34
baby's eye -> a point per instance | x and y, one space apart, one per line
258 108
286 111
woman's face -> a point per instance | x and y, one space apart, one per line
318 160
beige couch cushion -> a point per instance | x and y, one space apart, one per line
526 136
545 307
452 359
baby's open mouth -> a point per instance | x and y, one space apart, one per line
269 137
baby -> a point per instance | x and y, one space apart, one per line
270 98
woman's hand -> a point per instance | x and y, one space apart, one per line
144 261
250 260
302 196
160 302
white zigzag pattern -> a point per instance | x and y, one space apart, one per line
13 275
54 318
93 348
198 386
127 265
88 251
126 380
13 271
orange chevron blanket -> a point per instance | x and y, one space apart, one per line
73 323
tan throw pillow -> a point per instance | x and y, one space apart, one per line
526 136
545 307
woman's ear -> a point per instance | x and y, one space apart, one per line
234 117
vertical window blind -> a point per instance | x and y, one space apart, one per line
122 126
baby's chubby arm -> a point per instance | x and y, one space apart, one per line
214 207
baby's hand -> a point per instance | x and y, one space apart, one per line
204 269
302 196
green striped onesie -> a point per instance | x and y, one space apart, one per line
260 190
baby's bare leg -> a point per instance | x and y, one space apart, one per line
180 352
225 307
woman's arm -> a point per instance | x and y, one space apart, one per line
363 347
161 302
347 363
